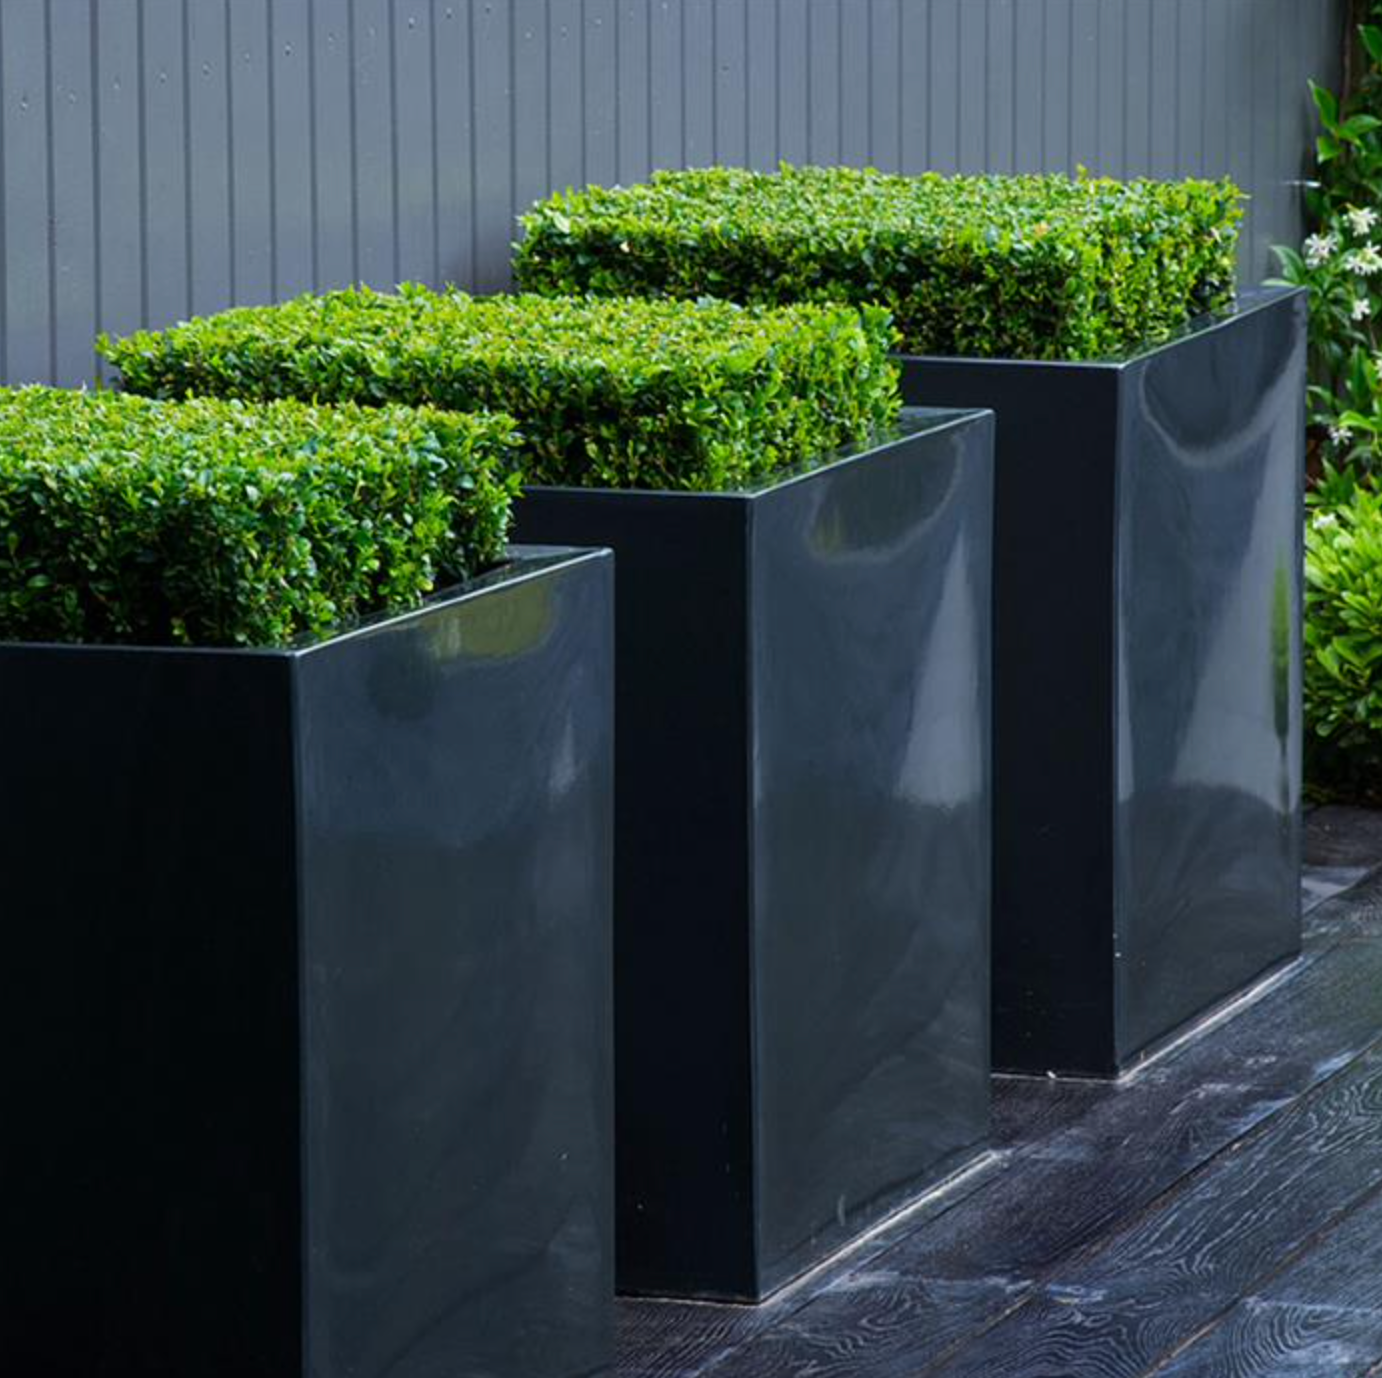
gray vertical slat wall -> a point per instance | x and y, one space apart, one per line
160 158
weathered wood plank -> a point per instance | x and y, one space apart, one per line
1355 915
1274 1340
1138 1295
1342 845
1027 1110
1136 1141
1322 1315
1176 1272
874 1323
1338 835
1325 882
672 1339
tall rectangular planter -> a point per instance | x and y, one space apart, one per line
306 1006
1147 694
802 873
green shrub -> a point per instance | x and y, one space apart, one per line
1343 639
220 523
644 394
1340 260
1015 267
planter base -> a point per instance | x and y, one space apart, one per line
1208 1020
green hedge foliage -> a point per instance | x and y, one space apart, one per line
1343 639
219 523
625 394
1005 267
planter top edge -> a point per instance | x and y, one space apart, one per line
912 423
1249 302
525 564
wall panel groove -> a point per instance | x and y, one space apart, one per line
165 157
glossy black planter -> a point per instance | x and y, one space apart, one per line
801 928
305 999
1147 691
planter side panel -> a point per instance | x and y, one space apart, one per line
1053 702
684 1140
871 689
1209 619
148 1012
456 776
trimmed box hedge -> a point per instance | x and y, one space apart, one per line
218 523
1033 267
613 394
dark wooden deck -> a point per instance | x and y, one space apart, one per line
1218 1214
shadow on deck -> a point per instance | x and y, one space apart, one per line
1218 1214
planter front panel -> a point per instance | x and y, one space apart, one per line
869 642
149 1015
801 905
1148 587
684 1145
1053 800
456 839
359 945
1209 702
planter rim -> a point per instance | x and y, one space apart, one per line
1249 301
911 422
524 564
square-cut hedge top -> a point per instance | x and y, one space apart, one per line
1034 267
218 523
608 393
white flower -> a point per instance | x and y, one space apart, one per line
1319 248
1322 521
1365 261
1340 435
1362 221
1361 309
